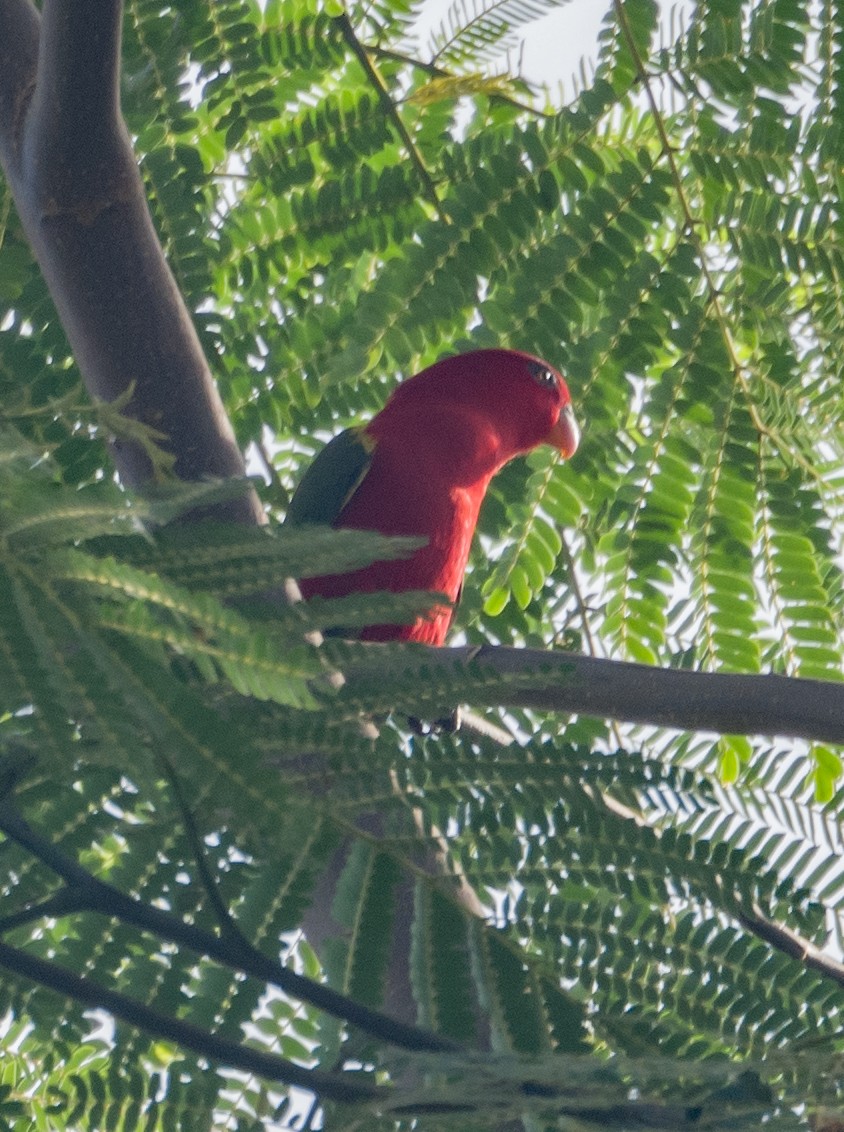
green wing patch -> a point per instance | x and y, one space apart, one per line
331 480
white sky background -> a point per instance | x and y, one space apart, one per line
556 45
553 46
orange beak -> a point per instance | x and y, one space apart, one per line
565 435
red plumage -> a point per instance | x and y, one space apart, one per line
435 446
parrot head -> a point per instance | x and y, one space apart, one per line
512 400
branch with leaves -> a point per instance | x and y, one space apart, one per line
331 1086
543 680
83 892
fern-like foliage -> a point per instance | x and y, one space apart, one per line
339 210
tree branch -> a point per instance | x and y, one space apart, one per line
76 185
346 1087
331 1086
792 944
86 892
63 903
391 112
754 921
611 689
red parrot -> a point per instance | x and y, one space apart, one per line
422 466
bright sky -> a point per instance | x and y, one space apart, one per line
554 45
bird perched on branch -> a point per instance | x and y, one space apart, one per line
422 466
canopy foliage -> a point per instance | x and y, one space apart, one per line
341 204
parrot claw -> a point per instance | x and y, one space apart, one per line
444 725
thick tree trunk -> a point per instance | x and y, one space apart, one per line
75 181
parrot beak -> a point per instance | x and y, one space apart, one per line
565 435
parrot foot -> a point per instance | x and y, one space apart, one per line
445 725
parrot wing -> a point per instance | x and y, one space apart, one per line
332 479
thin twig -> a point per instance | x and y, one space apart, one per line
792 944
754 921
228 927
437 72
389 107
582 607
478 725
691 226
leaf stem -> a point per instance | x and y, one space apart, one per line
391 111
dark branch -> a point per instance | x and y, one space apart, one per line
87 892
792 944
331 1086
340 1087
391 112
63 903
610 689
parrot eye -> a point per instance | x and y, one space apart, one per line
542 375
